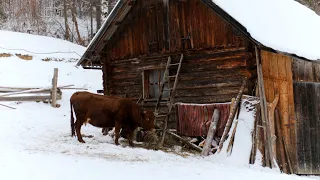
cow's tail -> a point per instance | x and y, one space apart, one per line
72 120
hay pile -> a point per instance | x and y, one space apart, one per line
149 138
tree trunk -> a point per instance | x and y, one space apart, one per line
74 19
91 19
67 35
98 14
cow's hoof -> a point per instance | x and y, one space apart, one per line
82 141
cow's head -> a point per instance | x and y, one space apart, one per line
147 118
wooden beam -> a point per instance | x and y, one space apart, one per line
282 153
232 114
255 135
264 112
211 132
28 98
271 107
193 146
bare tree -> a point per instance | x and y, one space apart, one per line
65 14
98 13
74 19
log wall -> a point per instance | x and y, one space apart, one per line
208 78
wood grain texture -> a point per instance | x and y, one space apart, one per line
277 73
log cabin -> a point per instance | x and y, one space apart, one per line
138 37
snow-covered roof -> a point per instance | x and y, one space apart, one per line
283 25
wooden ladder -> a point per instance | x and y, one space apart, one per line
170 101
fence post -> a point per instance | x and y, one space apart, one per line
54 88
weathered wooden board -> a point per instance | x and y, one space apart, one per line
307 105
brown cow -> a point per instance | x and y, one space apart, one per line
104 111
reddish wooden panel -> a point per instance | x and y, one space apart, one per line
194 119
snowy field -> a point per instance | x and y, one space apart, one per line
35 141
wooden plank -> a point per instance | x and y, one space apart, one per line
268 155
28 98
282 158
271 108
312 106
298 94
282 71
308 73
306 127
292 119
284 110
316 71
317 110
295 69
265 64
273 60
301 68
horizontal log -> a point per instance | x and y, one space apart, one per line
188 54
203 84
206 99
28 98
126 75
207 92
195 147
187 60
191 66
213 80
233 64
242 71
126 83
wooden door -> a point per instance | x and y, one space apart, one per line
307 108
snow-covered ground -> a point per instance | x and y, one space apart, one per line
35 141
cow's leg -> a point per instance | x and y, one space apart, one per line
117 132
105 131
78 131
130 137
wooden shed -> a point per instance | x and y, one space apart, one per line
138 37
